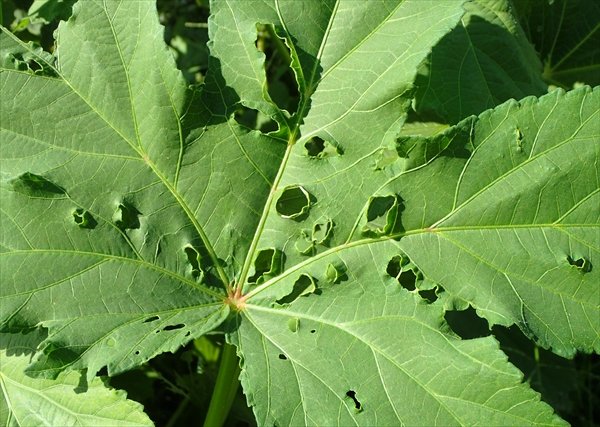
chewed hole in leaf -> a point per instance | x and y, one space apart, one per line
281 81
318 148
127 217
320 234
382 215
33 185
352 395
294 202
282 356
173 327
430 295
467 324
336 272
35 61
399 267
254 119
151 319
305 285
84 219
581 264
268 263
195 258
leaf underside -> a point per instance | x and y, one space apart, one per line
132 205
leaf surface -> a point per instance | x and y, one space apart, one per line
482 62
507 214
125 250
137 214
27 401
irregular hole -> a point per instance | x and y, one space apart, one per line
319 235
406 274
382 215
281 81
268 263
194 258
322 231
318 148
35 61
173 327
84 219
151 319
127 217
581 264
254 119
352 395
336 273
137 352
467 324
282 356
305 285
429 295
294 202
312 331
33 185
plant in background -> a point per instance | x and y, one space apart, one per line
337 215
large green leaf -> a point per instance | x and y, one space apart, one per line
118 197
499 213
137 214
26 401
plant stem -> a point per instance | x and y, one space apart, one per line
225 388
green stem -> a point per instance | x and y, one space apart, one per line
225 388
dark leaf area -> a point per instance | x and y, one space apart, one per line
566 35
175 387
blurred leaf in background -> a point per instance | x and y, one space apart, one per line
566 35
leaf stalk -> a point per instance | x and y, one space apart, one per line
225 388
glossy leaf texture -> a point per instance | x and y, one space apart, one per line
28 401
137 214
